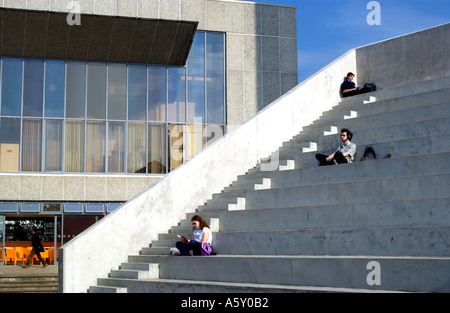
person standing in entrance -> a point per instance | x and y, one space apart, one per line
345 153
37 249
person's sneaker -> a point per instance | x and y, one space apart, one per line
25 266
173 252
45 265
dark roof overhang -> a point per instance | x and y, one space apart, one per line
45 34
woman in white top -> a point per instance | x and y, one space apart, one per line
201 233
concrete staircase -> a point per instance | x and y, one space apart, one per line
380 225
29 284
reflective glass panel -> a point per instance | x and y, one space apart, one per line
215 78
195 109
157 148
137 92
176 94
9 144
73 208
95 147
176 145
31 145
33 87
75 89
54 88
116 147
11 86
30 207
94 208
53 145
137 148
195 139
117 91
213 133
74 146
96 90
157 80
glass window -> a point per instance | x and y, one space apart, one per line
73 208
136 148
117 91
157 148
215 78
195 139
75 89
54 88
96 90
137 92
33 87
116 147
95 147
214 132
196 81
30 207
176 145
176 94
52 207
11 86
112 206
31 145
157 81
53 145
94 208
8 207
9 144
74 146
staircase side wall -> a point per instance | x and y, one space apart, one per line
107 243
405 60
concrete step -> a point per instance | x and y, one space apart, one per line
337 216
405 90
397 241
381 168
197 286
375 135
383 119
29 284
405 188
402 273
401 148
332 190
369 106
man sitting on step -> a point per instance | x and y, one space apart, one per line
345 153
349 88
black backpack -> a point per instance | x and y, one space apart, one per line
369 154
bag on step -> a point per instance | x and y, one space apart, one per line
369 154
370 86
205 248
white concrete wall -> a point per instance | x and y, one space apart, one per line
416 57
107 243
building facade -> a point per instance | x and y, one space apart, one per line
100 99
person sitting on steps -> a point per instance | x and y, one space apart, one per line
345 153
349 88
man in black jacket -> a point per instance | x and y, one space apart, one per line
349 88
37 248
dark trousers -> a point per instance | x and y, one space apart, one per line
184 248
338 157
365 89
30 257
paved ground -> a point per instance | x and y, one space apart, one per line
34 270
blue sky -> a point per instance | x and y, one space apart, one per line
328 28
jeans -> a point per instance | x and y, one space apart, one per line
184 248
338 157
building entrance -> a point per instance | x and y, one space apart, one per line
54 231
